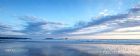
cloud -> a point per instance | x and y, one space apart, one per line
93 23
129 29
3 27
8 30
105 12
35 25
102 24
108 23
135 9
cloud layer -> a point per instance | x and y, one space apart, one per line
8 30
107 23
36 26
111 22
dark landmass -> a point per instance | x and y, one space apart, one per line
49 38
12 38
56 39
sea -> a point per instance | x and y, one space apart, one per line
95 47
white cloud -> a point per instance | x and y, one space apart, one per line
11 33
109 23
8 30
129 29
91 29
104 12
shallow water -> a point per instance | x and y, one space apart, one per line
63 49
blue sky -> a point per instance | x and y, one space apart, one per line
60 16
67 11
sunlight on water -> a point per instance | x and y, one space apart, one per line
103 49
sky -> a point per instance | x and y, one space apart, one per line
76 19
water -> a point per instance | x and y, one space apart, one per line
45 48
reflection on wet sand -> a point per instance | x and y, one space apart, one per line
59 49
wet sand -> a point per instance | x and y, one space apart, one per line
63 49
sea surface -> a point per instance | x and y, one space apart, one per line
71 48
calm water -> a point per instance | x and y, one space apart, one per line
67 49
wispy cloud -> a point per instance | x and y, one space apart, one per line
4 27
98 25
8 30
35 25
126 27
106 23
109 23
